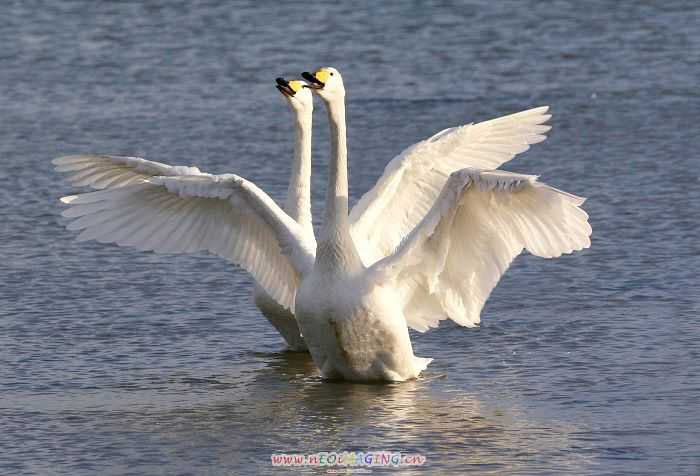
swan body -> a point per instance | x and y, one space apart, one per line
281 318
354 331
428 242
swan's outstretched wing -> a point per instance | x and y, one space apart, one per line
223 214
111 171
412 181
448 265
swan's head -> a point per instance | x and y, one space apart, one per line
326 82
297 94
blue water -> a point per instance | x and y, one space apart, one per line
120 362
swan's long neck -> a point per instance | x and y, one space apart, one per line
298 205
336 250
336 215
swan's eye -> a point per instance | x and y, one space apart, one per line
331 73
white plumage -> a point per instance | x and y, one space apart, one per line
412 180
449 264
223 214
112 171
179 209
428 242
297 206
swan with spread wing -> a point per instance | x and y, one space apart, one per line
428 242
176 209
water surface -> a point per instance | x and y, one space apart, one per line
120 362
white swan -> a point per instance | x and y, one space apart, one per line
297 206
174 209
428 242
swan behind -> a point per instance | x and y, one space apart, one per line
297 206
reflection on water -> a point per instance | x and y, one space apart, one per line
208 419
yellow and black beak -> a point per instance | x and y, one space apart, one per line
314 81
285 87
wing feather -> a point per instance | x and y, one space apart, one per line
450 263
412 181
223 214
